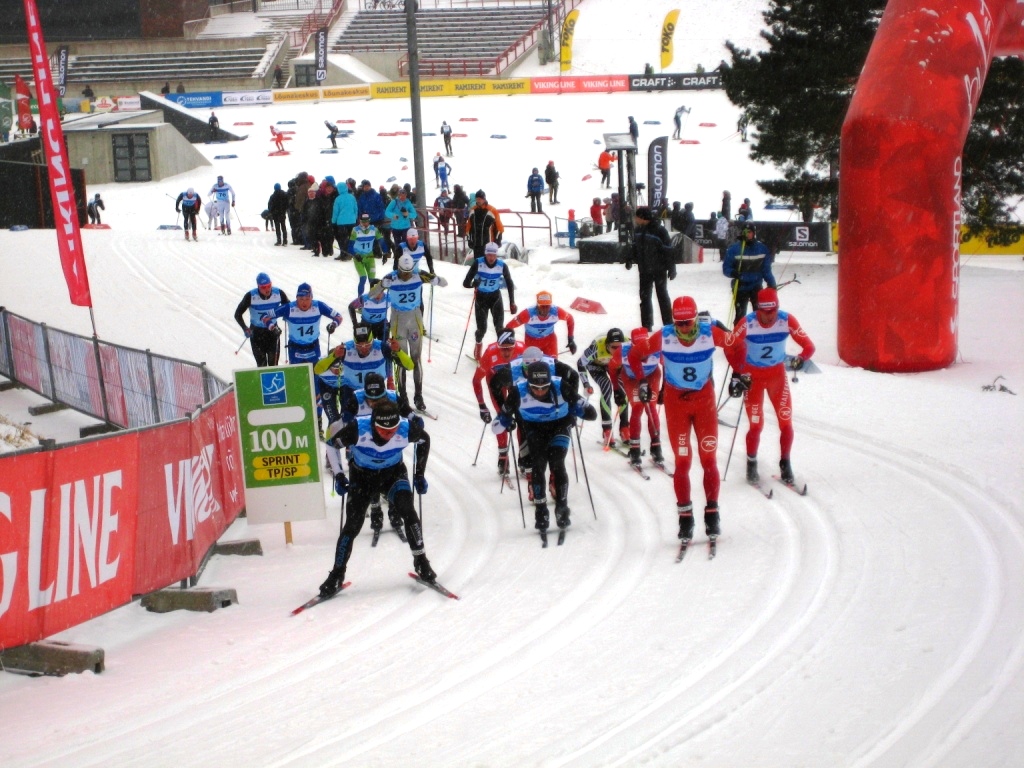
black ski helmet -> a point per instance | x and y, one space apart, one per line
373 386
538 375
615 336
386 416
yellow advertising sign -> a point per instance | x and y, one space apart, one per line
668 30
347 92
568 29
472 86
297 94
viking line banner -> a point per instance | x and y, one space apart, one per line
568 28
657 171
24 99
65 213
668 30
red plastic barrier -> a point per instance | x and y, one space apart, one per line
595 120
400 133
385 133
405 167
460 135
708 125
588 305
278 153
243 123
543 138
900 179
374 152
689 141
587 177
467 119
344 121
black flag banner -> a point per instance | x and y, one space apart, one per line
321 54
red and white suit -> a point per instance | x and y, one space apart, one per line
540 330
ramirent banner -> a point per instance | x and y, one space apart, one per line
657 171
568 28
65 214
668 29
321 54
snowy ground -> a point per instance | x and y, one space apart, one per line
877 621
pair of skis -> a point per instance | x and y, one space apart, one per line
544 538
685 545
800 490
434 585
396 529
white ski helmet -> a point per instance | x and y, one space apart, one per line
405 263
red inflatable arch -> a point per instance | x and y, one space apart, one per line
899 178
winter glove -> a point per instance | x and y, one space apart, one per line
572 345
420 484
513 308
497 238
644 392
738 384
340 484
672 273
177 210
331 327
386 282
485 414
415 420
504 423
797 363
585 410
248 332
476 282
629 265
393 343
620 397
439 281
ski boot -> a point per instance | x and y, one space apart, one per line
229 229
752 476
477 351
607 438
186 234
656 455
562 515
222 228
376 518
422 567
540 513
195 237
396 521
786 472
624 434
418 402
712 522
685 512
502 463
529 485
333 583
634 453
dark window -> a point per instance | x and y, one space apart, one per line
131 157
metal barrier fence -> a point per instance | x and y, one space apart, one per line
122 386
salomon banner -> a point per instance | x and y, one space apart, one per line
62 70
657 171
568 29
321 54
668 30
62 194
686 81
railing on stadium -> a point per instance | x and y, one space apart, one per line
121 386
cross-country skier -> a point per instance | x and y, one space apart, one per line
635 370
224 197
487 275
188 204
496 358
764 333
377 443
539 322
593 363
259 303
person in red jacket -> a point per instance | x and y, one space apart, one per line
540 322
604 164
597 215
635 370
687 347
763 334
497 357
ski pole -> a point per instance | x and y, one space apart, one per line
241 345
465 333
736 431
575 469
430 342
519 486
585 478
480 444
780 286
238 219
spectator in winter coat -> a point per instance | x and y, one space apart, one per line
676 217
745 212
443 210
749 264
634 130
653 256
460 205
402 215
372 203
214 123
689 222
316 224
597 215
614 212
604 164
722 235
278 207
534 189
726 205
551 177
483 225
344 214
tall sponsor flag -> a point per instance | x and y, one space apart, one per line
568 28
668 30
321 54
657 171
62 194
62 71
24 99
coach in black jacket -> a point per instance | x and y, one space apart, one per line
652 253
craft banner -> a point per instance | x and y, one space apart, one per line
62 194
668 30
